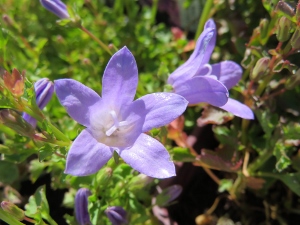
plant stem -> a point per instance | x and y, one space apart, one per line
204 16
96 39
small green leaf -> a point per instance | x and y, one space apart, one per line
182 155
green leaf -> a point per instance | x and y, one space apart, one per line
225 184
180 154
292 180
36 168
8 172
45 152
6 217
283 160
38 207
267 120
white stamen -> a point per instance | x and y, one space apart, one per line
209 69
111 130
116 124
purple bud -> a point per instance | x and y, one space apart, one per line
116 215
168 195
81 206
57 7
44 89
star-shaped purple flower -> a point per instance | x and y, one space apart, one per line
198 81
117 123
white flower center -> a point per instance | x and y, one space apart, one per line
109 128
116 124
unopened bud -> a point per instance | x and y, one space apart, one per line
57 7
14 120
139 182
13 210
44 89
264 28
168 195
261 68
295 40
117 215
7 20
81 206
104 175
14 82
283 29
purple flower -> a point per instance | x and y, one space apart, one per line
81 206
198 81
116 215
116 123
44 89
57 7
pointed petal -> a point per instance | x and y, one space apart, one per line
160 109
150 157
201 55
203 89
78 99
120 78
210 24
228 72
86 155
238 109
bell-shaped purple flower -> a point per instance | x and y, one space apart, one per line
117 123
57 7
198 81
44 89
116 215
81 206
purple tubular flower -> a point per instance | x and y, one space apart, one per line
44 89
116 215
57 7
117 123
81 206
198 81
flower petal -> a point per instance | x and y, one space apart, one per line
228 72
238 109
120 78
150 157
78 99
160 109
203 89
201 55
86 155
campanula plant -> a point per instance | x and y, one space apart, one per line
198 81
117 123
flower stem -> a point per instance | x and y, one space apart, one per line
204 16
96 39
